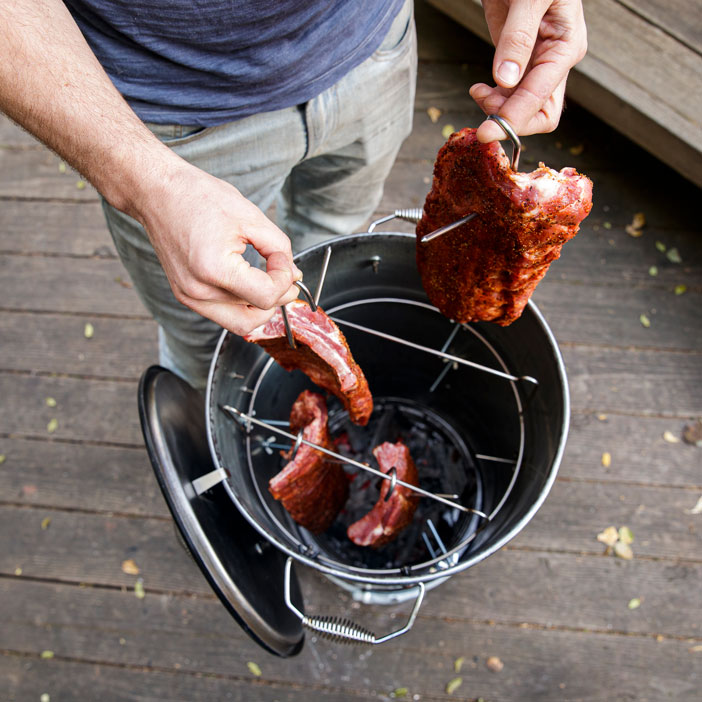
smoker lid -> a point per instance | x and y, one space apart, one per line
246 573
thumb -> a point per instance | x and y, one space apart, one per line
516 43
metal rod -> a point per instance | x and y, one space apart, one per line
288 330
243 418
435 352
307 295
483 457
323 275
412 215
512 136
447 228
445 370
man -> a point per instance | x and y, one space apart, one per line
192 118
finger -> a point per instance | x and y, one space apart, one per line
239 319
515 45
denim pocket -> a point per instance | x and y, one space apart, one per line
397 39
174 134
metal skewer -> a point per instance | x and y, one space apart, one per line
245 419
286 322
514 163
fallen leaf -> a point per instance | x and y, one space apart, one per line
399 692
130 567
62 167
673 255
633 231
447 131
645 321
623 551
695 649
626 535
670 437
602 417
680 289
18 571
692 433
45 697
88 331
606 459
577 150
458 664
639 220
47 654
609 536
697 509
660 246
80 184
52 426
494 664
45 522
50 402
634 603
122 282
653 270
2 458
254 669
607 225
139 589
453 685
434 114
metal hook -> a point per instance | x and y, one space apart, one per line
512 136
393 482
286 321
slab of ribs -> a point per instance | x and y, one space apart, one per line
312 489
486 269
321 353
388 517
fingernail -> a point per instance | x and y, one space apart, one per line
508 73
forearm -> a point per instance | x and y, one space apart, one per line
52 84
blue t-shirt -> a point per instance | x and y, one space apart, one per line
205 62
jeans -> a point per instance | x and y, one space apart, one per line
323 164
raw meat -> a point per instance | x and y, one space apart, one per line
322 354
312 489
387 519
486 269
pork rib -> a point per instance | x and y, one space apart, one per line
312 489
322 354
388 518
486 269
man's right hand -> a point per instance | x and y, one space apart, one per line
199 226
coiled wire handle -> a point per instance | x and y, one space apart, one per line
342 630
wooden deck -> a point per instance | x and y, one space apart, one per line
553 606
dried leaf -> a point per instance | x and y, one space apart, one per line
80 184
695 649
673 255
494 664
18 571
50 402
458 664
399 692
45 523
639 220
660 246
606 459
633 231
2 458
692 433
607 225
634 603
453 685
602 417
577 150
670 437
130 567
62 167
609 536
52 426
680 289
626 535
254 669
447 131
653 271
697 509
139 589
44 697
88 331
47 654
623 551
434 114
645 321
